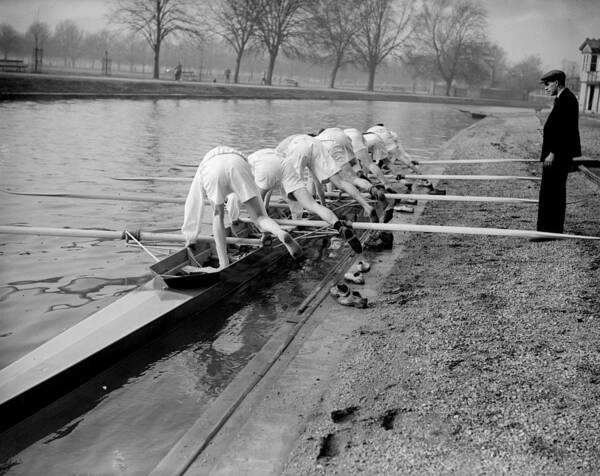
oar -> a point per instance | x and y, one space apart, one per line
120 197
154 179
445 198
101 196
398 177
461 177
463 230
117 235
419 149
471 161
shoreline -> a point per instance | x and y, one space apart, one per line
28 86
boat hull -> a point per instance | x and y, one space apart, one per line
102 339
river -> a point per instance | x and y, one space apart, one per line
124 420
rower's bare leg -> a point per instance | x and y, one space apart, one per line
258 215
219 235
355 194
344 229
309 203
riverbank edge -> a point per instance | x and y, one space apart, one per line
26 86
290 428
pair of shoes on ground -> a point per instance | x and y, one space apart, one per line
355 273
437 191
384 240
347 297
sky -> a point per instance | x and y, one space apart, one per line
552 29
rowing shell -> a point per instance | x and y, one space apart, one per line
71 358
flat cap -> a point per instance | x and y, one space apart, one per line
554 75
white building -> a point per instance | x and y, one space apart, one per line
589 93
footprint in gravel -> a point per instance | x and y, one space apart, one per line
329 447
389 417
335 443
341 416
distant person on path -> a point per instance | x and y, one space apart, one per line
178 72
223 171
227 74
560 144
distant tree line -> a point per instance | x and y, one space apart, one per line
429 40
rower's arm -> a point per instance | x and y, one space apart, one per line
219 235
375 170
266 196
319 187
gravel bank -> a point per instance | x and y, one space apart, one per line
480 355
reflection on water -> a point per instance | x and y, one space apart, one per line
48 284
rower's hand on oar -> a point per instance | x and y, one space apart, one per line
266 239
548 161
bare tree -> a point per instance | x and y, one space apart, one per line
9 39
40 32
451 30
495 58
329 31
383 29
279 22
68 38
235 22
420 67
155 20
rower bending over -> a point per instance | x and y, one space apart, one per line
395 150
272 170
368 154
223 171
305 151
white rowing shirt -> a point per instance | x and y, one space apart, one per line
304 151
387 138
337 145
272 171
376 146
222 171
358 145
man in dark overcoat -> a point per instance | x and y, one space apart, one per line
561 143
